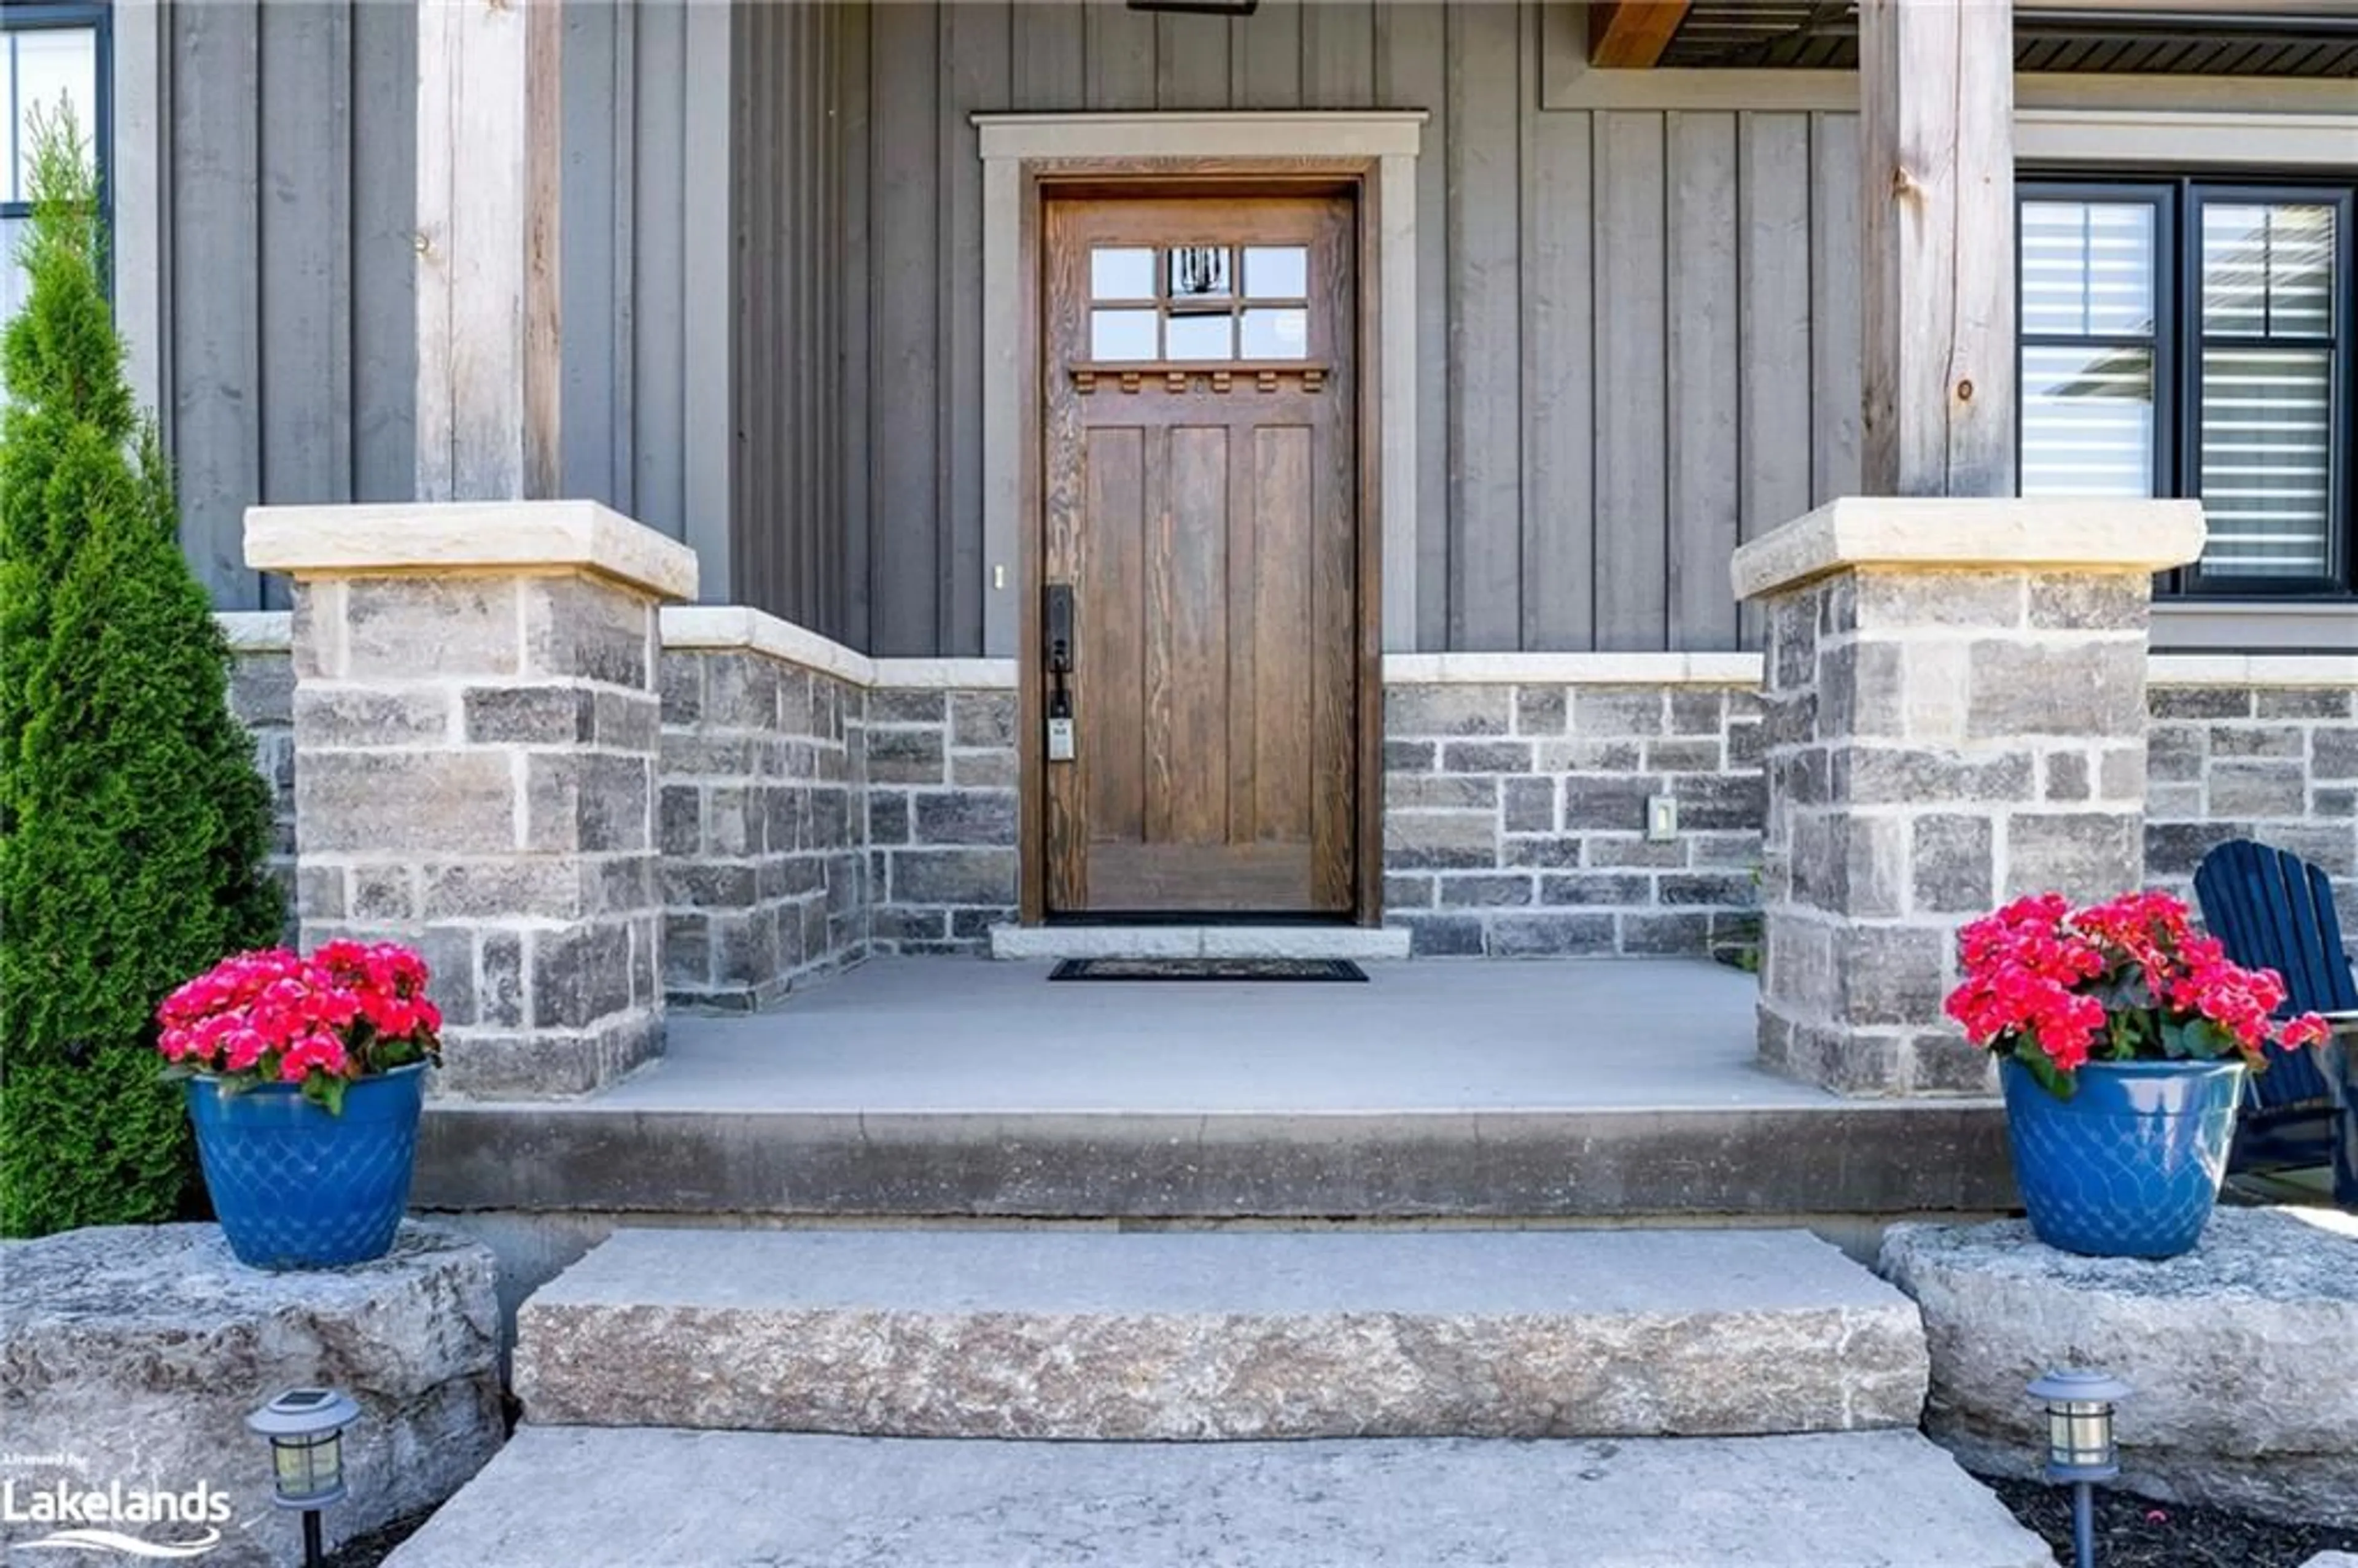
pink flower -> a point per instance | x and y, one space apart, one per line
2128 979
322 1051
246 1047
278 1015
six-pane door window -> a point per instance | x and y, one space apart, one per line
1199 303
2194 338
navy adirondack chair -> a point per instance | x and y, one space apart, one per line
2272 909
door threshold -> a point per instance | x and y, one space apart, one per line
1191 918
1206 941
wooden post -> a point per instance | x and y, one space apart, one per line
1936 83
1630 35
487 132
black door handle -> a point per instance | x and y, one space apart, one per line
1056 630
1056 627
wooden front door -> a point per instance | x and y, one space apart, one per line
1200 513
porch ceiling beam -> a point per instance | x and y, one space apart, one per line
1630 35
1936 127
488 325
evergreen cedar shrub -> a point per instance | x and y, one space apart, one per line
133 824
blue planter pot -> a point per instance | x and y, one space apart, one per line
296 1187
2130 1166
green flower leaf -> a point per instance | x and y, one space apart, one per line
2051 1079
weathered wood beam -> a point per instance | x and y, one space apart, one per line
488 324
1630 35
1936 129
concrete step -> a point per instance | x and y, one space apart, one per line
592 1497
1226 1334
1160 941
651 1148
930 1088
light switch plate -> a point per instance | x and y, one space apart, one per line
1661 818
1060 740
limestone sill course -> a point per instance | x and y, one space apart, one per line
1921 534
468 536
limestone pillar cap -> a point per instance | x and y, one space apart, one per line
1945 533
469 537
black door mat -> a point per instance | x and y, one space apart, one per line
1207 969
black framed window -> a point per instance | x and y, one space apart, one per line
51 52
2194 338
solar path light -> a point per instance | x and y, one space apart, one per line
306 1428
2080 1448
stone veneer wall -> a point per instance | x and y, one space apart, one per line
941 816
477 777
2244 759
1515 817
1514 827
1939 741
762 835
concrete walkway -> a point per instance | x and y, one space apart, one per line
590 1497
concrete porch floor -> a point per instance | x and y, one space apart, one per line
945 1035
960 1088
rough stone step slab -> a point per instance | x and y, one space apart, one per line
2239 1354
1222 1336
131 1355
589 1498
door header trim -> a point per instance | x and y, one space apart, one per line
1387 133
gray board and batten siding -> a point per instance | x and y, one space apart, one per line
1638 323
274 145
1627 360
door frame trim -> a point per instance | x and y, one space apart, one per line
1017 183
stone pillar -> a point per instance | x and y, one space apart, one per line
476 733
1955 716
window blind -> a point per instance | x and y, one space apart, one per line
2087 304
2267 388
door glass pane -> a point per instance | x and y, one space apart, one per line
2266 418
1277 334
1277 271
50 65
2268 269
1122 334
1200 272
1199 338
2087 269
1117 274
2087 421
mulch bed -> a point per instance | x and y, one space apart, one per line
2138 1532
369 1550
